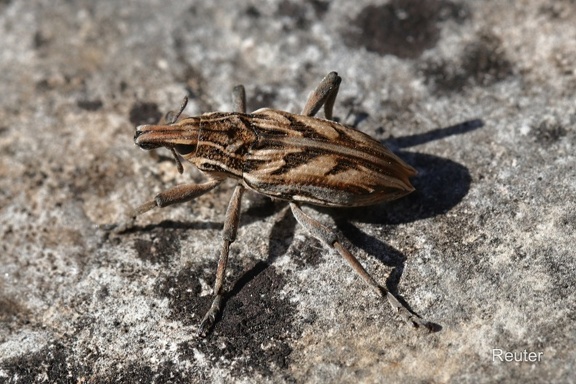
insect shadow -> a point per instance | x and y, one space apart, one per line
440 183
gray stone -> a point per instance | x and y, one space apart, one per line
478 96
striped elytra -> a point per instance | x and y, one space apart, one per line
288 156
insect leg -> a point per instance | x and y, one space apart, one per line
228 233
239 99
175 195
328 237
324 94
228 237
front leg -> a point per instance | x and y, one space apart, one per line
177 194
328 237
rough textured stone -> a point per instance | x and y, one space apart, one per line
479 96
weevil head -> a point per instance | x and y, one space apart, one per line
181 136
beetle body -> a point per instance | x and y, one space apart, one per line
287 156
298 158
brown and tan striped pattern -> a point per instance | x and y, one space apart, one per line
321 162
288 156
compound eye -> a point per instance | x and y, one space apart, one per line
184 149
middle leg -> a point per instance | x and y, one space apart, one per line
228 232
228 237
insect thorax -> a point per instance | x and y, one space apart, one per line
223 142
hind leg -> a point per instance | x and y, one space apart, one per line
328 237
324 94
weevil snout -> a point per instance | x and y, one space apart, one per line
141 140
181 136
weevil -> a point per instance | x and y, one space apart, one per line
299 158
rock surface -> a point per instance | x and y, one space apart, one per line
478 96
